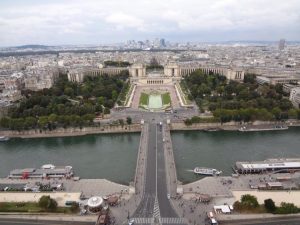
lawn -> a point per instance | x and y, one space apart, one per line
28 207
166 99
144 99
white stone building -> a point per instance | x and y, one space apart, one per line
295 97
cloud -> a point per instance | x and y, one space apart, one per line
122 20
95 21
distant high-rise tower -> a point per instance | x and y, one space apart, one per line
162 42
281 44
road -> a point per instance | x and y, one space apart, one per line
145 209
155 205
278 221
6 221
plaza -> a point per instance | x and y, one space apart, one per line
157 90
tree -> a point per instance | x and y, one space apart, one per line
249 200
4 122
270 205
276 112
69 91
114 95
287 208
121 122
30 122
47 203
106 110
128 120
43 121
293 114
74 207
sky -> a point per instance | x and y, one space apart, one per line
93 22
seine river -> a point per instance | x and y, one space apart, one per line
222 149
111 156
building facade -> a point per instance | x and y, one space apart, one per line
295 97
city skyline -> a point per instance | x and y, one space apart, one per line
102 22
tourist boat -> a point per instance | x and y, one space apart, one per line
46 171
267 128
4 138
269 165
207 171
212 129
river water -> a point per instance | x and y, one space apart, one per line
222 149
111 156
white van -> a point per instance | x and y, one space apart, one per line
213 221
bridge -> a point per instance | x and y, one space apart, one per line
152 185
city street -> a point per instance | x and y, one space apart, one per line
6 221
285 221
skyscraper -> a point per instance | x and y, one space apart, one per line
162 42
281 44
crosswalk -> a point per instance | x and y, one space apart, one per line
168 220
156 211
172 220
143 220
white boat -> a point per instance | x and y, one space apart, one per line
4 138
267 128
48 166
207 171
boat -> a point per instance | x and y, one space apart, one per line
4 138
288 165
207 171
212 129
46 171
267 128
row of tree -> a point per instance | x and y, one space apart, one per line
250 203
66 103
231 100
116 63
50 122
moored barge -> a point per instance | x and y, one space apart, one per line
46 171
269 165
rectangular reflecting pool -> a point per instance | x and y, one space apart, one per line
155 102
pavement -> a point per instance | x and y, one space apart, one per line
285 221
6 221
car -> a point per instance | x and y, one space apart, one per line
131 222
168 196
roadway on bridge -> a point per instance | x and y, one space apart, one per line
155 205
146 207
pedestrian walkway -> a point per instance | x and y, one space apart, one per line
143 220
156 212
172 220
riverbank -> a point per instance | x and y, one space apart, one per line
231 126
69 132
134 128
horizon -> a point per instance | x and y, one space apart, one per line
229 42
91 22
